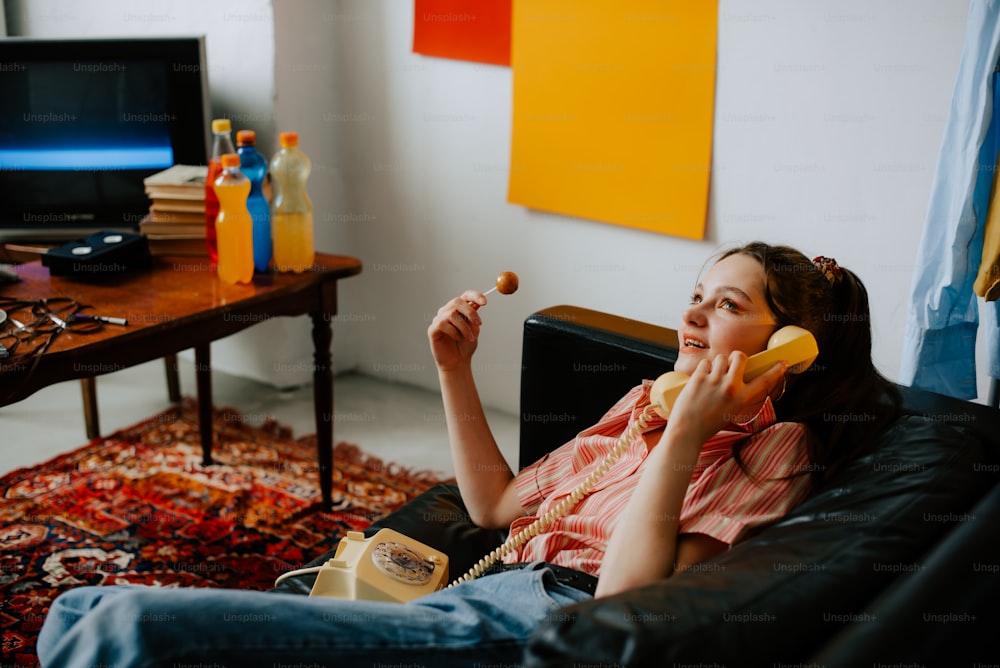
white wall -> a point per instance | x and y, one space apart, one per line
828 120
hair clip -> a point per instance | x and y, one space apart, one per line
829 268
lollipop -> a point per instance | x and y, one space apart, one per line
506 283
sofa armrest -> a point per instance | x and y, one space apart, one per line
575 364
951 598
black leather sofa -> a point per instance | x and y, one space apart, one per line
893 562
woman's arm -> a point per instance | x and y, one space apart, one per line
484 477
644 546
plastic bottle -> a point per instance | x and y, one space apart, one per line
234 226
254 166
291 209
222 143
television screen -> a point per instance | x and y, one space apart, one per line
83 122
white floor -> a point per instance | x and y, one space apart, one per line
398 423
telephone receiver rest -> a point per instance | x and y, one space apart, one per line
791 344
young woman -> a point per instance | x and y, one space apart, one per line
733 456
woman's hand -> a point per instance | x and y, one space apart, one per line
454 332
716 396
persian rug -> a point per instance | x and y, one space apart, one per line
138 508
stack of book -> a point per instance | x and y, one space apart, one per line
175 224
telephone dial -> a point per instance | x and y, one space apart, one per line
392 567
386 567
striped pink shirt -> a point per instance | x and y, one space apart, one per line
721 501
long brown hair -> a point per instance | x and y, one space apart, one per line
842 399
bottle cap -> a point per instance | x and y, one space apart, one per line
288 139
246 137
230 160
221 125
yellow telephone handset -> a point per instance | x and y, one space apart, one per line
791 344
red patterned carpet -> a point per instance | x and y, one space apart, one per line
138 508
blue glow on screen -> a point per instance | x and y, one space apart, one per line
68 159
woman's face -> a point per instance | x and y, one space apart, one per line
728 312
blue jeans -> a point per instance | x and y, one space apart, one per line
481 622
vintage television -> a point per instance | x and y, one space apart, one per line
83 121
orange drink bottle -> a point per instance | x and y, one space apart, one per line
291 208
222 143
233 226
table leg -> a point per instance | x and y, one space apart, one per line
322 335
89 388
173 379
203 379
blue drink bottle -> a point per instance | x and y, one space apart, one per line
254 166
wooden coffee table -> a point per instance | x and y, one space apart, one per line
176 305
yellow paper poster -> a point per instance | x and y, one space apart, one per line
613 110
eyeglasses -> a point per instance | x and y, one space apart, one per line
30 326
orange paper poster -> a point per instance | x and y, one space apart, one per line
612 117
477 30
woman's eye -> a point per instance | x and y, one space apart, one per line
729 305
695 299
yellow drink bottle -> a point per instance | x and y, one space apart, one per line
233 226
291 209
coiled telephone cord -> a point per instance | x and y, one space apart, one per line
541 524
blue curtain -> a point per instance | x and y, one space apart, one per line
939 345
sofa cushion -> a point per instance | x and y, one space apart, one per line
776 596
437 518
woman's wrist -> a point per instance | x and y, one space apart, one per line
685 437
460 369
677 451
